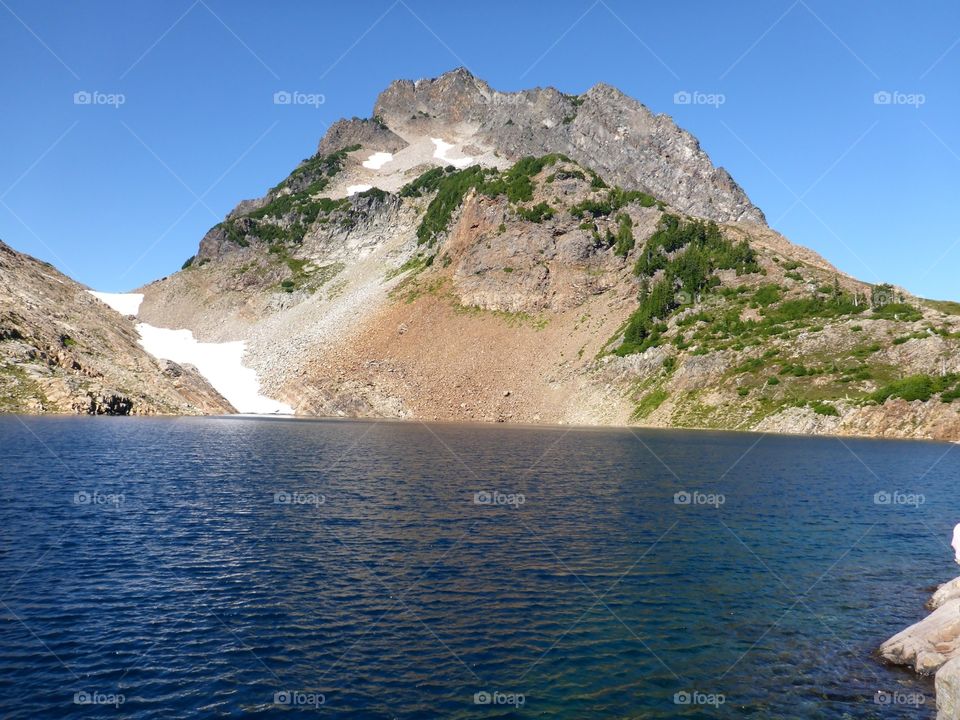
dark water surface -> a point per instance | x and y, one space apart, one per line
239 566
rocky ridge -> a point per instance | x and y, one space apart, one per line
615 135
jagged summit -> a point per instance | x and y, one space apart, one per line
603 129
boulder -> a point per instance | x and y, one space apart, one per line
948 690
930 643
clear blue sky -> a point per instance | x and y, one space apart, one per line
118 196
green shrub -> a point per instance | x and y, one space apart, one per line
538 213
517 182
767 295
948 396
451 185
233 232
425 184
650 402
188 262
315 171
807 308
751 365
914 387
451 188
824 408
624 241
901 312
596 182
707 241
615 199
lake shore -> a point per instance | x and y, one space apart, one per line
932 647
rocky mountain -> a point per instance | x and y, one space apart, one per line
64 351
611 133
466 254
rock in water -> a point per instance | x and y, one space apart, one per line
947 591
930 643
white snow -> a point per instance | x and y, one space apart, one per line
441 154
353 189
377 160
123 303
220 363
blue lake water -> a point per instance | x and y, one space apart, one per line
165 568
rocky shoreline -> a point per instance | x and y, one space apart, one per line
932 647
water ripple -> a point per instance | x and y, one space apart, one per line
236 566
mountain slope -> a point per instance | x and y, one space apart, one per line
62 350
421 265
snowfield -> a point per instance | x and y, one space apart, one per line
123 303
220 363
440 153
377 160
353 189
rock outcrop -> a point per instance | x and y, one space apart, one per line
370 133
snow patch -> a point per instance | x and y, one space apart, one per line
353 189
220 363
440 153
377 160
123 303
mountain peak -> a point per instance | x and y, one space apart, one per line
603 129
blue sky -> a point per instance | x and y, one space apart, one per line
119 194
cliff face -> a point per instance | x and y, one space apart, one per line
64 351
